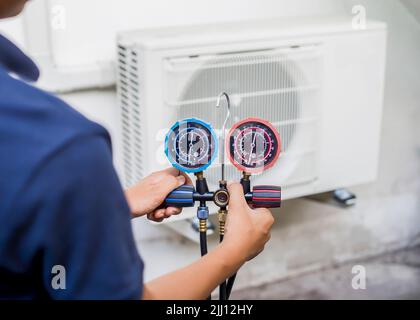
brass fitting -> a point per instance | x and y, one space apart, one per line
246 176
222 221
203 225
199 175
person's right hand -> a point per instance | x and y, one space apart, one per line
247 230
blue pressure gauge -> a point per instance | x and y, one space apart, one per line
191 145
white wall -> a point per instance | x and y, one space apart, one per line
91 25
414 7
73 41
14 29
83 31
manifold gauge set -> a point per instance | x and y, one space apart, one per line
252 145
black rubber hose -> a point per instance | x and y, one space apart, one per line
222 291
222 287
203 243
203 247
226 288
229 286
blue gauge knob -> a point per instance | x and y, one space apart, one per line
191 145
182 197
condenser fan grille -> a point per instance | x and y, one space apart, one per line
130 92
277 85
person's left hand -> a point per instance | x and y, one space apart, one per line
146 196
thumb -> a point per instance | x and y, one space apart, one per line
180 181
173 183
236 196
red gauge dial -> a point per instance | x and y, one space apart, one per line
253 145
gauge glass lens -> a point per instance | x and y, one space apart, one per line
191 145
253 145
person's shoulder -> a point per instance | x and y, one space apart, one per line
36 127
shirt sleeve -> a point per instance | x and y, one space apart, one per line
82 225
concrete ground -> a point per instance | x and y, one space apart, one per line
394 275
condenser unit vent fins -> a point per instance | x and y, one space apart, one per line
130 94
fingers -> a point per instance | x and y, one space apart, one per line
152 217
187 178
173 182
171 171
236 196
175 178
161 214
172 212
156 215
180 180
176 173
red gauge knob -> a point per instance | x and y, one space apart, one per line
266 197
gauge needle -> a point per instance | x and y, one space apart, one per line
190 145
252 147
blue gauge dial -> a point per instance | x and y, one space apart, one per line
191 145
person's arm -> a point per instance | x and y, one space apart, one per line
247 231
196 281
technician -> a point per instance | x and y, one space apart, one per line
62 206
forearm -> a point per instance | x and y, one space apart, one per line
198 280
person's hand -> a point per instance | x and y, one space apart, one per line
247 230
145 197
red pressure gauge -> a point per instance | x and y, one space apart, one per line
253 145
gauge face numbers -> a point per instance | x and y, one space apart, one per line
191 145
253 145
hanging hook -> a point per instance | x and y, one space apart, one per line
223 136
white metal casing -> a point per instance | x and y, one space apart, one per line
335 79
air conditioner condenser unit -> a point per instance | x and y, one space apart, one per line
319 81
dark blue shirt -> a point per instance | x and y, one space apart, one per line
61 203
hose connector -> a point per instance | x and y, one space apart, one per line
202 215
222 221
202 226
